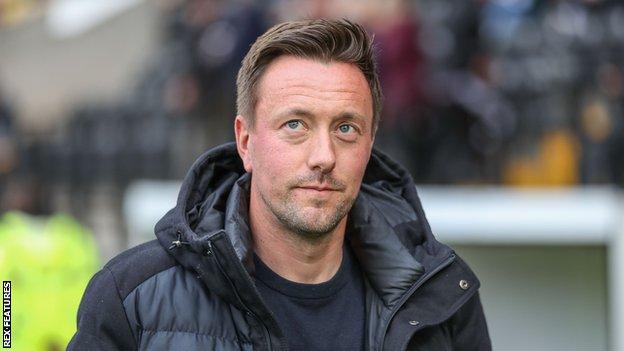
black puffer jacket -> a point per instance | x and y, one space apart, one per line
192 289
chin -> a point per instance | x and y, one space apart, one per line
315 222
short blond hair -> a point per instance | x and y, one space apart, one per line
319 39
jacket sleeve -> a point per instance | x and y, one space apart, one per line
469 328
102 321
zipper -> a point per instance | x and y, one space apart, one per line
411 291
248 310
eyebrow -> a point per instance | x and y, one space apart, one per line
299 112
351 115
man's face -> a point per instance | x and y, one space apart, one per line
310 142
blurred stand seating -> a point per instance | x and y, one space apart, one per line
181 105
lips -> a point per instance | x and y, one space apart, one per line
318 188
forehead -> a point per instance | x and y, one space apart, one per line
290 79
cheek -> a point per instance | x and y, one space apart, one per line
262 151
272 160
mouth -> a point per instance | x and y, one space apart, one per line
318 188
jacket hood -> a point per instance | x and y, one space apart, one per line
387 228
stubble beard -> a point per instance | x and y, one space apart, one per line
295 220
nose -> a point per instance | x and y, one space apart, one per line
322 157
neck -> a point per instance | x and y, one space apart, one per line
292 256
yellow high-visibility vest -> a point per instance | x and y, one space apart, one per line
49 262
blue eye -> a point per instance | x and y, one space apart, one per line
345 128
293 124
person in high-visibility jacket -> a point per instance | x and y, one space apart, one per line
49 262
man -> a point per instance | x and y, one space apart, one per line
298 237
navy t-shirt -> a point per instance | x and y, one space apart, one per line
326 316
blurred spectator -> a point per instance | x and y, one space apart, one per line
8 152
402 77
597 130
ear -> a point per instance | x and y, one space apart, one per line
241 130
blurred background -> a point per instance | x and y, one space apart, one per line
509 113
